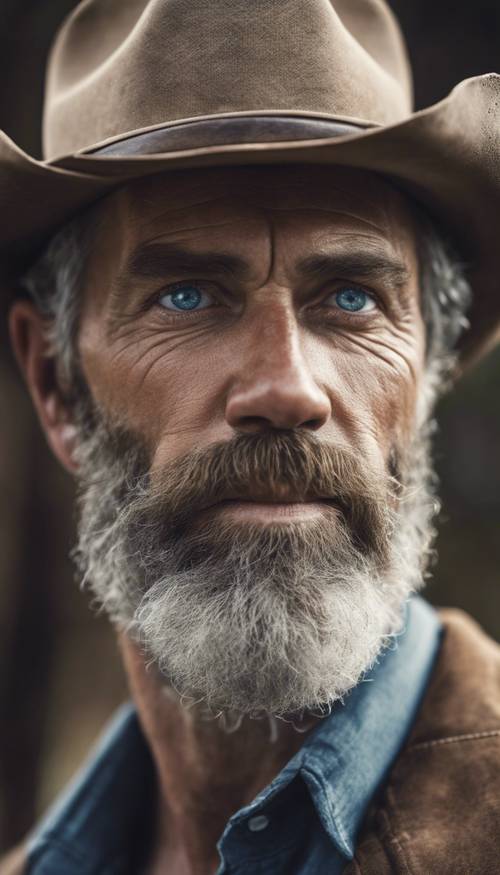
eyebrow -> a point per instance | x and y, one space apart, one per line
380 267
157 260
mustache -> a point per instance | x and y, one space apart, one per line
272 466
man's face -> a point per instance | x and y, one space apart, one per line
253 345
234 301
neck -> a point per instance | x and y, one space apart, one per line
205 774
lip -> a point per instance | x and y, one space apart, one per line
259 498
267 509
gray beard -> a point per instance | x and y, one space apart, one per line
278 620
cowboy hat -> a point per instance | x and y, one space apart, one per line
137 87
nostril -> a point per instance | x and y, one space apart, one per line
312 424
262 423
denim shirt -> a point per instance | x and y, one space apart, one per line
304 822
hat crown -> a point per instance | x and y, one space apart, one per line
119 66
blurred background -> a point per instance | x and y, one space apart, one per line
60 677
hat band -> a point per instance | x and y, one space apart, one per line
226 132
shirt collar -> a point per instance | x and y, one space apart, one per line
343 761
348 758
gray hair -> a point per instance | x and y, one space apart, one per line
56 282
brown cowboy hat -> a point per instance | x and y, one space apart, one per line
137 87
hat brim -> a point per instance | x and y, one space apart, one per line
446 157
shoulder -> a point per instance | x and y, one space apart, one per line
463 695
440 807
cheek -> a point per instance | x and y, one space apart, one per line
393 404
165 389
382 381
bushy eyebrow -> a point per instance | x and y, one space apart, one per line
159 260
376 267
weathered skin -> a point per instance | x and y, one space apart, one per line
272 351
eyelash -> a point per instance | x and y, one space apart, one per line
330 312
175 287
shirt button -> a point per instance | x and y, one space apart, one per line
258 823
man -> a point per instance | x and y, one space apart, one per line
240 292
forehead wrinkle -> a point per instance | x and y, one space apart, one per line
312 203
384 246
376 203
230 217
169 211
345 239
264 196
329 212
266 212
402 234
189 229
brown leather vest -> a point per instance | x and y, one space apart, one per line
439 811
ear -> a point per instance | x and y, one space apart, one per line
32 351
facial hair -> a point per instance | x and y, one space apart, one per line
278 619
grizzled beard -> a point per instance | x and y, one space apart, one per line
281 619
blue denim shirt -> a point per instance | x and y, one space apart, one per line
304 822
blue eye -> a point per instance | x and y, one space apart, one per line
186 297
353 300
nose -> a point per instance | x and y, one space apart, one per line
274 387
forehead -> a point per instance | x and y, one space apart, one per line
233 203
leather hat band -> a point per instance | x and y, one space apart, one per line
226 132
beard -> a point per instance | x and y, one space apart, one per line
277 619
